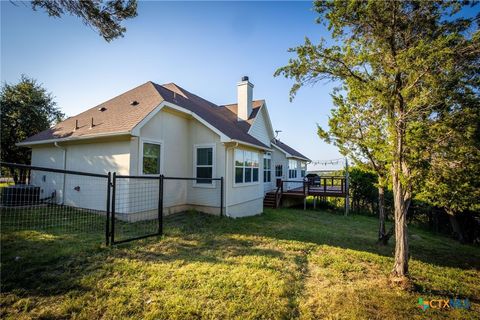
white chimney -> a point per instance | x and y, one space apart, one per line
244 98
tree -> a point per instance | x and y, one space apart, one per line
360 135
103 16
26 109
453 181
401 61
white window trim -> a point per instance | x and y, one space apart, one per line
293 169
245 184
214 152
267 156
140 156
303 167
278 164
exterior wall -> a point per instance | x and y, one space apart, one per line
49 182
204 195
178 136
269 186
243 199
293 185
77 190
259 128
171 132
245 209
279 158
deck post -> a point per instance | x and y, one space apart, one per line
305 203
315 202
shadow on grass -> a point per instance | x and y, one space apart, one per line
333 229
42 263
46 263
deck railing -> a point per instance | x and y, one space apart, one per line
297 184
328 181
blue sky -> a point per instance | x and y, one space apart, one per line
203 46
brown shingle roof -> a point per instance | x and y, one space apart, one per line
288 149
255 108
120 116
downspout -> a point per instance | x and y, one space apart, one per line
226 177
64 168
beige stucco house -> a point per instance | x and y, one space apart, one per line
164 129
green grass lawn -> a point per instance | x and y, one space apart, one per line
283 264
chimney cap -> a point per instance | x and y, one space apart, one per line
245 78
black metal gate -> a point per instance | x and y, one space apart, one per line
136 208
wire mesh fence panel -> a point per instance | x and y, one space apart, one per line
136 210
141 202
56 201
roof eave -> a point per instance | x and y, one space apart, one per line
289 155
251 145
88 137
300 158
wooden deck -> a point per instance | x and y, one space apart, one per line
325 186
318 188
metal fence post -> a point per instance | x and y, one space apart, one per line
160 204
107 222
114 187
221 196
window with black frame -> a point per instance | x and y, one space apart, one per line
151 158
278 170
204 165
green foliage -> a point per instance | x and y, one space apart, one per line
406 63
27 109
362 188
103 16
396 65
358 134
453 179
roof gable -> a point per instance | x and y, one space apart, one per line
261 127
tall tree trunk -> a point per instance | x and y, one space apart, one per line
401 192
457 229
402 201
383 236
381 212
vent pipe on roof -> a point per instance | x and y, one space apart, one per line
244 98
91 124
134 103
76 125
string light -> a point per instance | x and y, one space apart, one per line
327 162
